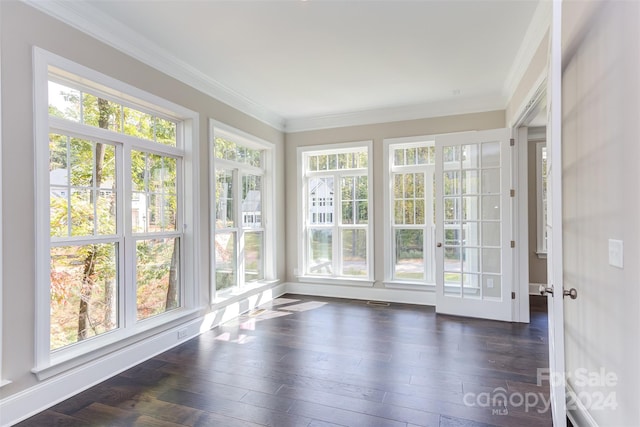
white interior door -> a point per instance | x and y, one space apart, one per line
473 224
554 223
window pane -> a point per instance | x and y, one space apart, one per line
101 113
225 253
224 199
321 200
154 201
64 102
82 214
253 256
320 252
83 286
165 132
138 124
409 262
252 201
157 276
354 252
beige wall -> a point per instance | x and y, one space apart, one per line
22 28
601 177
376 133
537 265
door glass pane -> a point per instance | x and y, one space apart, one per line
471 260
452 261
225 256
157 276
470 156
491 207
320 252
471 236
491 260
490 154
490 234
84 298
470 208
354 252
452 283
451 157
452 209
452 234
491 286
253 256
409 262
451 183
491 181
470 182
471 285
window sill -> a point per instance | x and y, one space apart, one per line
77 355
541 254
426 287
4 383
335 281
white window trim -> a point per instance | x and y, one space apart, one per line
3 381
302 206
219 129
389 244
49 363
541 226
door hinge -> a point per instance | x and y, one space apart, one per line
512 142
513 243
513 295
512 193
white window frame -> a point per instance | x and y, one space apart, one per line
302 210
541 226
389 229
50 363
267 172
3 381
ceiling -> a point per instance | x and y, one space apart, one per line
293 62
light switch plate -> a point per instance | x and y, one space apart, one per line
616 253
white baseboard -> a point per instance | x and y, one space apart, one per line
363 293
579 416
534 288
22 405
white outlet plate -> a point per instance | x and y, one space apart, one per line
616 253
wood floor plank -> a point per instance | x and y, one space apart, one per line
305 361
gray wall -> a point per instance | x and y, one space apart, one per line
22 28
376 133
601 177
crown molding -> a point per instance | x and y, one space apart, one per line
536 31
84 17
397 114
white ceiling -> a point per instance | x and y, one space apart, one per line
303 60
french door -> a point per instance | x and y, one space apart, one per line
473 224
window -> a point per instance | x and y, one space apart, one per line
410 212
541 198
243 243
113 175
334 211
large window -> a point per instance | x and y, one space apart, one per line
111 187
410 216
335 211
242 248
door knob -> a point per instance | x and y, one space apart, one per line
439 245
571 293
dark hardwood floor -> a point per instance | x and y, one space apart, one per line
319 362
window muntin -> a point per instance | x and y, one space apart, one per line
242 169
335 214
411 211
